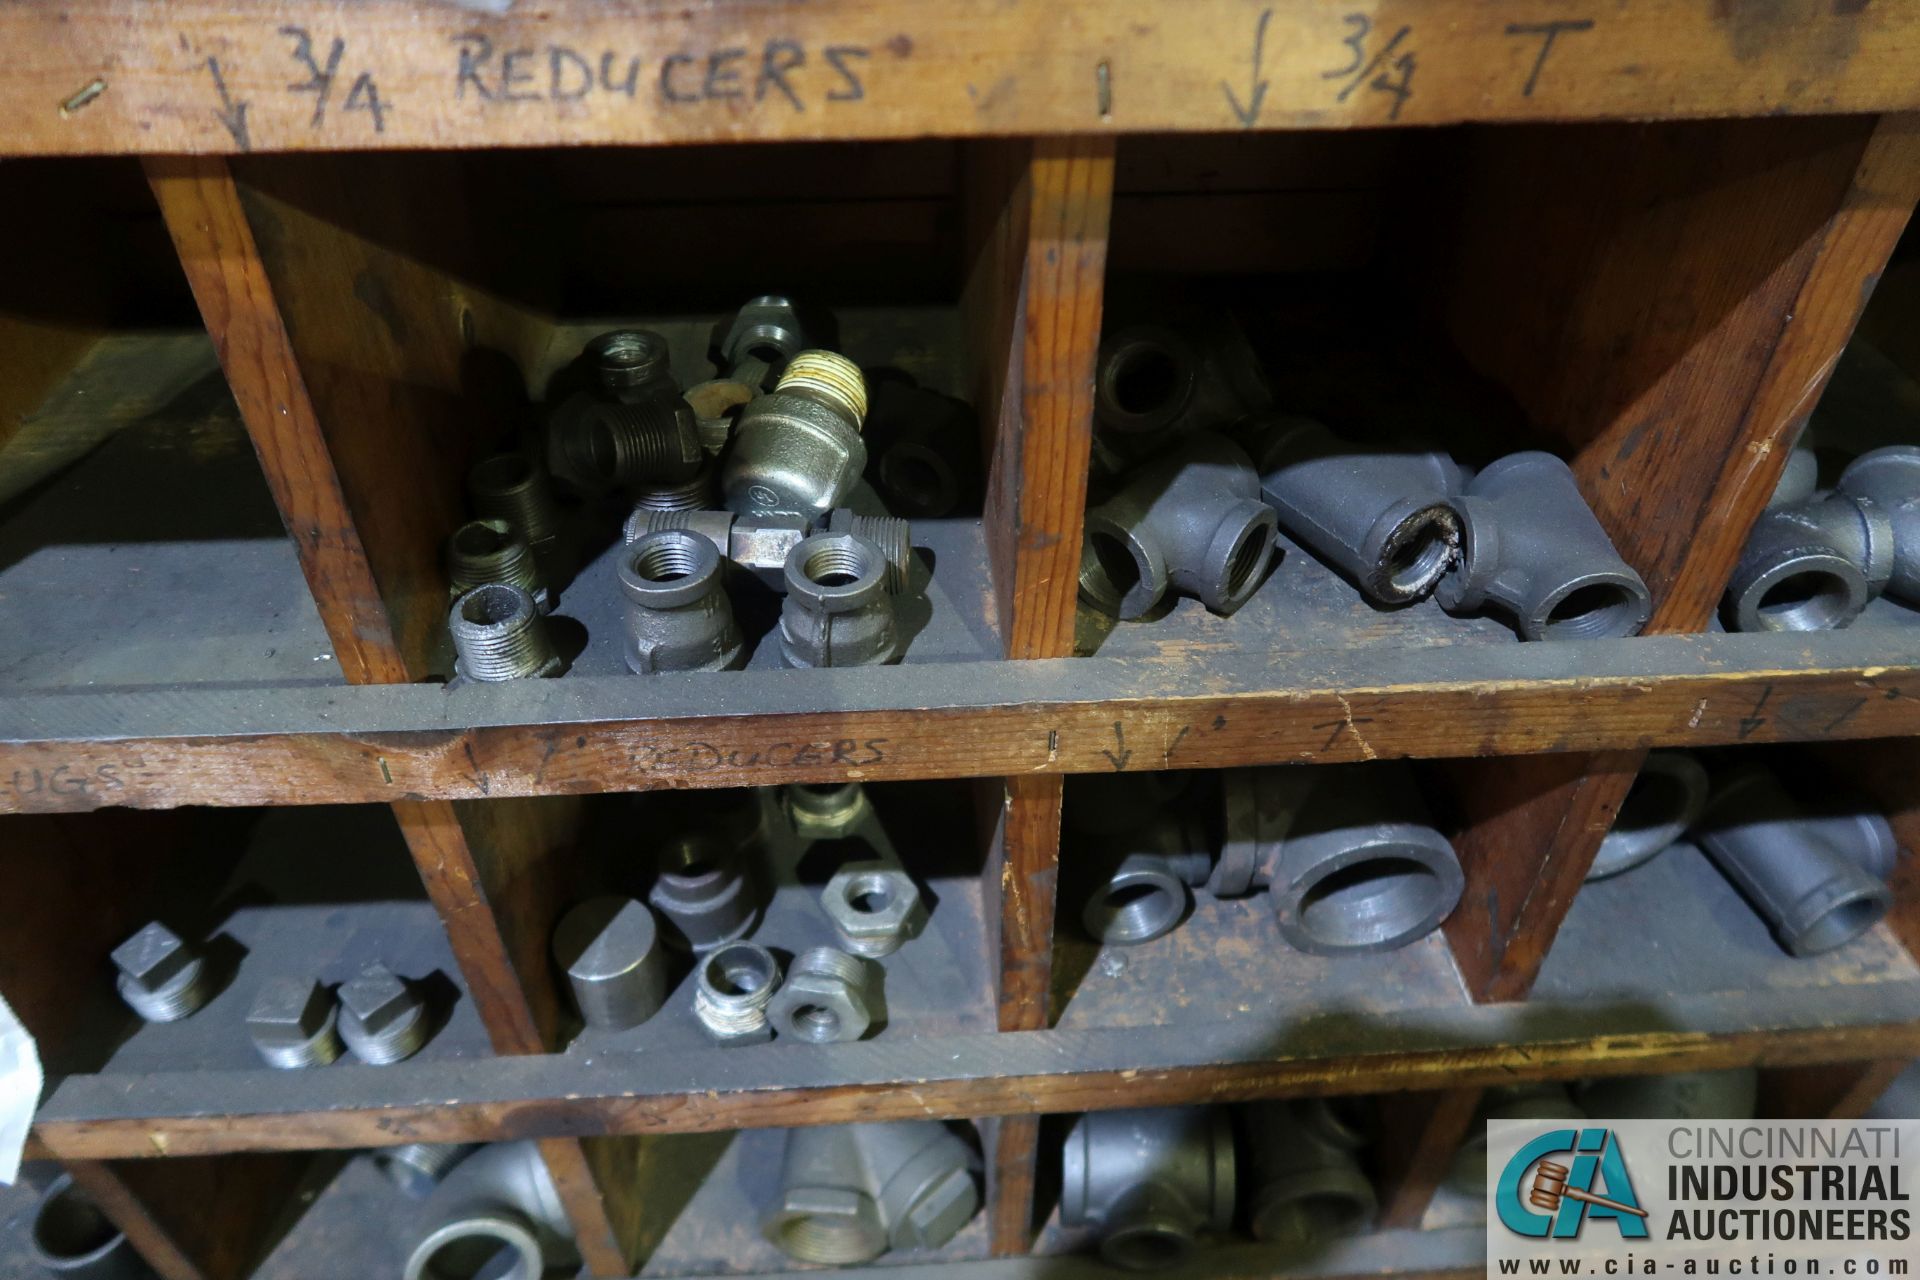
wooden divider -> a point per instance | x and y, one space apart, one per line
1037 220
1669 300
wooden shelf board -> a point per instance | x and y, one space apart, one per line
116 76
76 751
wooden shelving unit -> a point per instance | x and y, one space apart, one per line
1647 234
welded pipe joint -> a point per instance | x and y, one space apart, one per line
1190 522
1531 548
1383 518
851 1192
1665 800
1816 881
609 948
838 612
678 616
797 449
1308 1185
1149 1181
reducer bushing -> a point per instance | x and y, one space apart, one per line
678 616
838 611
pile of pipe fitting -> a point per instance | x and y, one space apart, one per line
1815 873
294 1020
753 476
1817 557
1347 856
1197 473
1151 1186
621 956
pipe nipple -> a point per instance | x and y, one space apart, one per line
829 377
498 634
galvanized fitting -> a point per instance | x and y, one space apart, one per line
418 1167
1308 1184
383 1018
72 1237
1541 1100
1688 1095
161 977
1363 868
850 1192
609 949
632 364
732 988
1811 567
1383 518
798 449
649 442
716 407
491 550
1146 894
500 1216
703 893
874 908
1191 521
825 999
837 612
499 634
1150 1181
1889 479
890 534
1531 547
678 617
1665 800
1817 883
758 544
695 494
293 1023
763 336
511 487
825 810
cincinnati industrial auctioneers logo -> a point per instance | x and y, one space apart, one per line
1554 1198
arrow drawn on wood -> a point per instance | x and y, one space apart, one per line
1251 112
233 114
1118 761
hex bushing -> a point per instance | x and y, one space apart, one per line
732 988
1810 567
761 338
1308 1185
1191 522
1540 1100
838 612
1889 478
1146 893
1531 548
874 908
616 969
825 810
499 634
631 364
418 1167
678 616
1383 518
848 1193
72 1237
703 892
383 1017
1363 868
758 544
1687 1095
797 450
511 487
1150 1181
293 1023
161 977
1665 800
491 550
1810 880
500 1216
826 998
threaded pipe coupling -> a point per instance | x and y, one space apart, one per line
891 535
837 611
631 363
798 449
162 978
679 617
732 988
825 810
491 550
651 441
498 634
294 1023
511 487
694 494
826 998
609 949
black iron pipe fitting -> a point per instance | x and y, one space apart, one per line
1191 521
851 1192
1383 518
1147 892
1308 1186
678 617
1540 1100
1810 567
798 450
499 1207
1665 800
73 1239
1149 1181
838 611
1817 880
1889 478
1531 548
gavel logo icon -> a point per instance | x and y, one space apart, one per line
1550 1187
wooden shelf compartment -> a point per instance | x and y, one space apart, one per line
107 77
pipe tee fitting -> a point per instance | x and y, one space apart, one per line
849 1193
1150 1181
1308 1183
